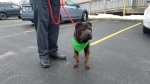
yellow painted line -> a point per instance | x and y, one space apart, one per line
12 25
94 21
62 26
116 33
1 21
29 31
34 30
70 24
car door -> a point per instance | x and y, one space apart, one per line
16 9
8 9
1 8
79 12
71 8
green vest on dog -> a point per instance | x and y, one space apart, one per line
78 46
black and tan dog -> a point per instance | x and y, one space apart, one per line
80 41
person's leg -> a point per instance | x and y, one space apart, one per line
41 19
54 31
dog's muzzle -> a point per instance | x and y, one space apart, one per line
87 35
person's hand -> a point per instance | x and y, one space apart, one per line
62 2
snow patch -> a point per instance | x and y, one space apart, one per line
10 53
111 16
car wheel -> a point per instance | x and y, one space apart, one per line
145 30
3 16
84 16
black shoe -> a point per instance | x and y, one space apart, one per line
57 55
45 62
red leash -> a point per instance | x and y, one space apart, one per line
68 15
51 14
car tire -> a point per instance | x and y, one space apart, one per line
3 16
145 30
84 16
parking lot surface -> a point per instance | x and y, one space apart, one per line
120 54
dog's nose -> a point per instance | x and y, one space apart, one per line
89 36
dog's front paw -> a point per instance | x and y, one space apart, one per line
75 66
87 68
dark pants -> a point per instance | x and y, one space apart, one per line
47 31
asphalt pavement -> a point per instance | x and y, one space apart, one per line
120 54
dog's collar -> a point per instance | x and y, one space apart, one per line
78 46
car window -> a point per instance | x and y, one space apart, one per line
7 6
15 6
70 3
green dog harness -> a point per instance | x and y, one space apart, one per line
78 46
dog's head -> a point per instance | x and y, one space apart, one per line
83 31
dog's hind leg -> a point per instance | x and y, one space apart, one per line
87 53
76 55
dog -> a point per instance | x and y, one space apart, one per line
80 41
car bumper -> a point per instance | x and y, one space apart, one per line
26 16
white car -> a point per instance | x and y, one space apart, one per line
146 20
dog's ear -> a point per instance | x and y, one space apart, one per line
78 25
89 23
